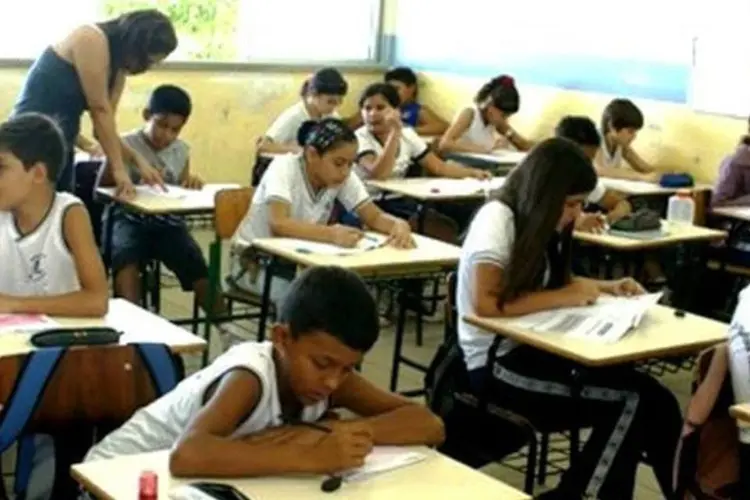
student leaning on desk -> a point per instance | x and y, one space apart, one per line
516 260
50 263
295 199
264 409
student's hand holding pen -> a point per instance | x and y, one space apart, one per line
150 175
345 236
400 235
591 223
345 447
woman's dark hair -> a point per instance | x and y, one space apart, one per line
579 129
535 192
137 36
327 81
620 114
389 93
325 134
502 93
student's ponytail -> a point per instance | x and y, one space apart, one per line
305 87
501 92
325 134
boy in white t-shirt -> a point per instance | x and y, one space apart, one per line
582 131
50 262
261 409
321 96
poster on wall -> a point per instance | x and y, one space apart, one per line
642 51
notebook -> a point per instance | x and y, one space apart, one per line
384 459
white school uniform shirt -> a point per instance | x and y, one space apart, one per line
489 240
39 263
480 133
598 193
739 355
284 129
411 149
286 180
159 425
609 160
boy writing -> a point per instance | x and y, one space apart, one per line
50 261
245 414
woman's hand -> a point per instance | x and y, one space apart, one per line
124 187
625 287
400 235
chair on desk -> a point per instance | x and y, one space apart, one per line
230 208
69 392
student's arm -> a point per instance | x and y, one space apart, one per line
488 279
394 420
283 225
519 141
430 123
92 299
616 205
188 180
397 229
619 287
451 141
206 448
380 167
451 169
639 164
281 136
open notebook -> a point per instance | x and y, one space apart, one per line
25 323
384 459
608 320
370 241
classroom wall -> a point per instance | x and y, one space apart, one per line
231 109
674 136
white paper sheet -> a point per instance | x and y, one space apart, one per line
370 241
462 187
630 187
25 322
383 459
608 320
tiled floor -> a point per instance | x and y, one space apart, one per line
377 368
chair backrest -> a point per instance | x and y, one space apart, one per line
53 388
229 210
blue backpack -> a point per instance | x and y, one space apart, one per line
677 181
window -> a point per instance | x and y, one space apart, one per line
214 30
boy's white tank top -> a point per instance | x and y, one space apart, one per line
39 263
159 425
609 160
479 132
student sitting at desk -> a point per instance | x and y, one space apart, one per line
387 150
516 260
262 409
733 186
484 127
50 263
321 96
582 131
621 121
295 199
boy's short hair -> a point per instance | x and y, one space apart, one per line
170 99
579 129
34 138
620 114
401 74
335 301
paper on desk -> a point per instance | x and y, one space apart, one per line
629 187
174 192
369 242
466 186
384 459
608 320
25 322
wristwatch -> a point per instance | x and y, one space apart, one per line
509 134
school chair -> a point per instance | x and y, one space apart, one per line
708 456
67 392
230 208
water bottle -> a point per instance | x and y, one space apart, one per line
681 207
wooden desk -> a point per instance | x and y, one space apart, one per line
498 158
430 189
196 202
742 413
438 477
136 324
641 188
675 234
660 334
428 256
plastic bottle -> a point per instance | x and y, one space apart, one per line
148 486
681 207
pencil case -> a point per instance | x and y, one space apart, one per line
67 337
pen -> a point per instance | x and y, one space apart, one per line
332 482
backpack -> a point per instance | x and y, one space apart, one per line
707 465
676 181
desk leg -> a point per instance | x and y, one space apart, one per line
265 304
398 342
575 429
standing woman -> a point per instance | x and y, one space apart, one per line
87 71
